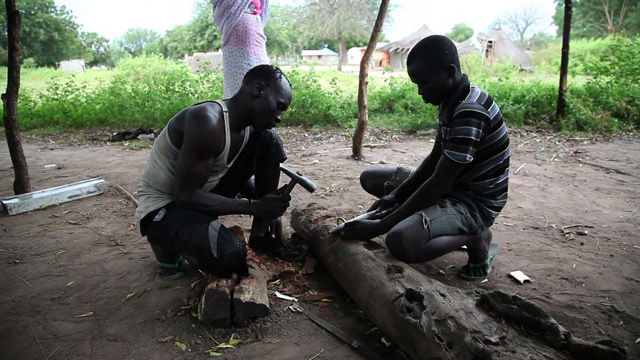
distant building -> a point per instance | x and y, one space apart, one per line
198 60
498 46
379 59
322 56
399 50
75 65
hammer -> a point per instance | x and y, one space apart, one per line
296 178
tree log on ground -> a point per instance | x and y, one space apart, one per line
430 320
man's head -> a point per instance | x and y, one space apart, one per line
270 95
433 65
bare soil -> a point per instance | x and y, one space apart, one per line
69 271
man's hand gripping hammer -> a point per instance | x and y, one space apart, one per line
296 178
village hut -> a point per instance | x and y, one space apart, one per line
466 47
399 50
379 59
322 56
498 46
73 65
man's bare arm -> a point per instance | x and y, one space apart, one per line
423 172
202 142
428 193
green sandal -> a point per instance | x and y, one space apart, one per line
467 271
165 269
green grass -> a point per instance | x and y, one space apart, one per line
148 91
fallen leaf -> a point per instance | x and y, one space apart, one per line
85 314
212 352
234 341
181 345
223 346
166 338
637 340
129 296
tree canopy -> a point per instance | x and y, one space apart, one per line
339 20
48 33
460 32
600 18
198 35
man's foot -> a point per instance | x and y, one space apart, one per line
482 256
173 271
275 247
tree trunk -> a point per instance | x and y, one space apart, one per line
430 320
363 116
564 63
342 53
21 183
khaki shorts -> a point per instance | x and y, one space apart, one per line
449 216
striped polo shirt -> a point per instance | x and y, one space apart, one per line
472 132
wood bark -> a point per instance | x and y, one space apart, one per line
430 320
250 298
564 62
363 115
21 183
236 302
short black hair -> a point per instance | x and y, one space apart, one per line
265 73
436 50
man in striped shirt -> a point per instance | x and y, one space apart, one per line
458 190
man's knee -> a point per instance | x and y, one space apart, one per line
398 245
270 147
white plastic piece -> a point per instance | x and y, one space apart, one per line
520 276
57 195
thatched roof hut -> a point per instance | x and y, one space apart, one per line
498 46
398 50
466 47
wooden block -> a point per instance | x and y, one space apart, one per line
215 304
250 297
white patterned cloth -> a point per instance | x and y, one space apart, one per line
243 40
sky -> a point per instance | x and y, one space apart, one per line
113 18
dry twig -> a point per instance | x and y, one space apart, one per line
518 169
125 192
318 354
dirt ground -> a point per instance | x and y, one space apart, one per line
69 271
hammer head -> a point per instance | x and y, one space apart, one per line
299 178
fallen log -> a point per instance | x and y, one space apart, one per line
430 320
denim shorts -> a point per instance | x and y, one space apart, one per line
449 216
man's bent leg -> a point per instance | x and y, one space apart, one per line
199 238
213 249
439 230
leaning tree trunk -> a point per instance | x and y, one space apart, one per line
21 183
564 63
363 116
430 320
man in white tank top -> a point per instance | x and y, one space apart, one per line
204 157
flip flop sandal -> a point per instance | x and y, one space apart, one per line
179 266
464 271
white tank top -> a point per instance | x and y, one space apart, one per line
158 180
